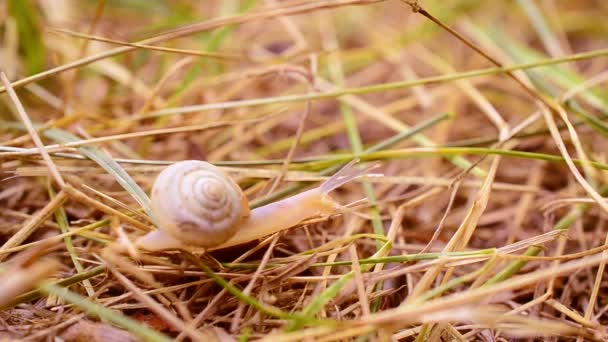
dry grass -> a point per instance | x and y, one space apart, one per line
488 121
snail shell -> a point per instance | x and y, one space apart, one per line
197 204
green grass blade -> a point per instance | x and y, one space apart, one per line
108 164
269 310
26 15
392 141
64 226
558 74
77 278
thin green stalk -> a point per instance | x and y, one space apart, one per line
488 140
109 164
27 18
307 137
559 75
378 260
439 290
377 87
596 124
539 23
335 160
112 316
332 291
323 131
354 138
321 300
323 161
538 78
264 308
245 334
213 42
399 137
64 226
392 141
37 294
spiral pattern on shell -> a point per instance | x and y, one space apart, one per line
197 203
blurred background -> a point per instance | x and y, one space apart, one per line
308 85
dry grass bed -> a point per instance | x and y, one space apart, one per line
480 127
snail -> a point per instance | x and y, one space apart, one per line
198 205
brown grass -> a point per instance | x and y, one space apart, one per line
485 220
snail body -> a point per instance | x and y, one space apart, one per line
198 205
281 215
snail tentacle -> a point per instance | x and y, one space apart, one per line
346 174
